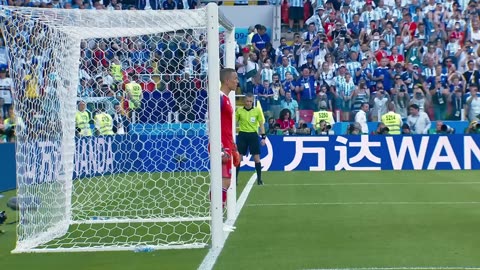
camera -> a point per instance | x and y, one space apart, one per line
304 125
448 130
384 130
3 217
328 126
418 95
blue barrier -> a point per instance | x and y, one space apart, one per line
459 126
159 153
7 166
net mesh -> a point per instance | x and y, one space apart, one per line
110 127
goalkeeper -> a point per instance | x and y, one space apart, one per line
249 120
229 81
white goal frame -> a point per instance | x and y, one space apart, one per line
76 25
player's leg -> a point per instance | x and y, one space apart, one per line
242 146
254 147
226 181
226 175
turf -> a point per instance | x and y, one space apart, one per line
314 220
275 231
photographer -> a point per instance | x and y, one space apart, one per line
324 128
473 128
9 125
302 128
3 218
354 129
381 130
441 128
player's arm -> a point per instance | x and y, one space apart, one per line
261 122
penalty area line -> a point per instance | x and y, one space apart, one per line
403 268
360 203
212 255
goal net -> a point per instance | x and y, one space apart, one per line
111 129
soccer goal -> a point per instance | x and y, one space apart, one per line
112 109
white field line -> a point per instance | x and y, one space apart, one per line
372 183
212 256
404 268
360 203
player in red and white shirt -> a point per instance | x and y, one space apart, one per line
229 80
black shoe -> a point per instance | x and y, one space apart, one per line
260 182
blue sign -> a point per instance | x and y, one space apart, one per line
170 153
334 153
7 167
241 34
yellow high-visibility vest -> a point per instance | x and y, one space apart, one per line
135 91
322 115
104 123
393 121
82 121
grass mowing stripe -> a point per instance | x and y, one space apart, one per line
209 261
401 268
360 203
371 183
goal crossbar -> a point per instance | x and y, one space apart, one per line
82 23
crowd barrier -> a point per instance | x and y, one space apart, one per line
153 153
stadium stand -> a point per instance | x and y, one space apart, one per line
347 53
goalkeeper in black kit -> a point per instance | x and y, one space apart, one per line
249 120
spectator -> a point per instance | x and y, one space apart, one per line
286 67
380 103
306 90
418 121
472 108
260 39
361 117
420 98
120 121
241 66
6 90
287 125
401 101
439 96
457 102
291 104
295 13
278 92
265 95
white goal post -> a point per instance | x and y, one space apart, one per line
140 177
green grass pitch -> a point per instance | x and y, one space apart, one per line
319 220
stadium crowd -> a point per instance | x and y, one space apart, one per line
401 63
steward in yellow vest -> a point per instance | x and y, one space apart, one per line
82 121
324 115
134 92
103 123
392 120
